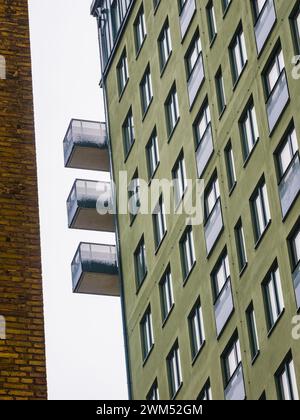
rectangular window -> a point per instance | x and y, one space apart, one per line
287 152
174 370
159 222
225 5
220 89
213 218
179 179
164 45
288 170
122 70
273 72
220 276
294 248
153 394
140 263
222 293
134 201
240 245
294 242
211 197
211 21
230 166
172 111
286 381
231 360
252 331
166 294
264 14
249 130
295 23
140 30
155 4
193 55
263 397
273 297
187 252
146 91
203 139
202 124
238 54
196 329
128 133
152 154
261 215
233 371
258 6
205 394
146 334
181 5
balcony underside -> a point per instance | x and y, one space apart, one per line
98 284
90 158
89 219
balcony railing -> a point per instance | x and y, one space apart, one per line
85 146
95 270
296 279
235 390
224 307
84 200
186 16
204 150
264 24
196 79
278 100
213 227
289 186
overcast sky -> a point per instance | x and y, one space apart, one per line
85 351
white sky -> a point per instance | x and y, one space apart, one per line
85 351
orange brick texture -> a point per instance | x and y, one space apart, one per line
22 353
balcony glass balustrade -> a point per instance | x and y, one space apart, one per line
235 390
277 101
196 79
95 270
264 24
85 146
204 150
213 227
224 307
186 16
296 280
84 200
289 186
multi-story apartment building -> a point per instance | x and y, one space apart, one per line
199 89
22 343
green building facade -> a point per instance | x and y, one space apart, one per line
207 90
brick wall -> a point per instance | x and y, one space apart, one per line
22 354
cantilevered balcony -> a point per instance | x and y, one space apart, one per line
224 307
95 270
278 100
196 79
186 16
213 227
289 187
235 390
264 24
204 150
296 279
85 204
85 146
